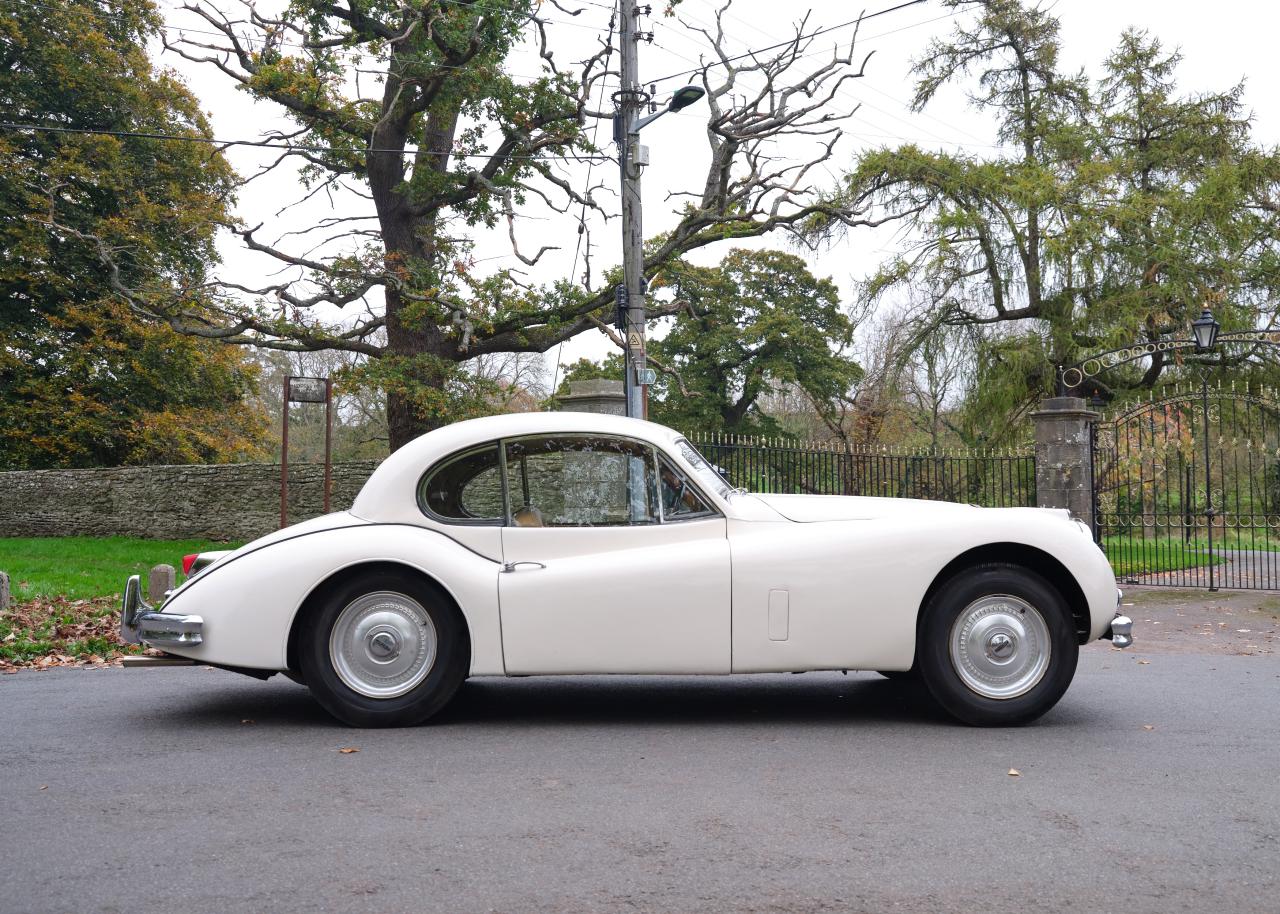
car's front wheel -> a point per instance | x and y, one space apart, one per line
997 645
383 649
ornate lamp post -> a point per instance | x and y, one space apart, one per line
1204 340
1204 332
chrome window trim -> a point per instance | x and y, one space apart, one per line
724 483
711 511
650 445
445 461
505 521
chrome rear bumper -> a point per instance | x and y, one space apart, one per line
141 623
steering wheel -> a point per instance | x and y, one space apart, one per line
677 489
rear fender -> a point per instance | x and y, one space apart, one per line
249 601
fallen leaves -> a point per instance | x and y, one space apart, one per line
347 750
49 632
1148 726
1144 662
1015 773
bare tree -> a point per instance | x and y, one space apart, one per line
939 372
446 141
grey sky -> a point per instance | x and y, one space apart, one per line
1222 43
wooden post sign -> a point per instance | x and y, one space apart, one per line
305 390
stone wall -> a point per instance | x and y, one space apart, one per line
232 502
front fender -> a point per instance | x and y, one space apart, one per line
249 600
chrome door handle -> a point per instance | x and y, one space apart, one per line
509 567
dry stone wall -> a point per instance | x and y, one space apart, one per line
232 502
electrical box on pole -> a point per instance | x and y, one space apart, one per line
630 100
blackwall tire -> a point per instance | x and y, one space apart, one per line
384 649
997 646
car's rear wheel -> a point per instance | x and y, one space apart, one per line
997 645
384 649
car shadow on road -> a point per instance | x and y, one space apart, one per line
815 699
666 701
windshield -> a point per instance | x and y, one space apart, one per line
704 470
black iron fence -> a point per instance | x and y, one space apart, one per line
985 476
1166 514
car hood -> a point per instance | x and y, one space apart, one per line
813 508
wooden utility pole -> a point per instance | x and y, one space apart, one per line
632 157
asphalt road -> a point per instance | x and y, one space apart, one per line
196 790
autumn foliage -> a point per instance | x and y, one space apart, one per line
94 224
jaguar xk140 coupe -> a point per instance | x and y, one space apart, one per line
567 543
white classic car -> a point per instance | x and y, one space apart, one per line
563 543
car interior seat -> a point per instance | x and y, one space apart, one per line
528 516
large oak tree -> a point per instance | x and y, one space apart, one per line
413 105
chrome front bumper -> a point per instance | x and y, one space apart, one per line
1120 632
140 622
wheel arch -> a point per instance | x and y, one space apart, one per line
1029 557
316 594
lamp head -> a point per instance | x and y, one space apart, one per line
684 97
1204 329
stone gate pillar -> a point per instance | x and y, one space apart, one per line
1064 469
597 396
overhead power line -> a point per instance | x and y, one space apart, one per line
783 44
586 193
269 144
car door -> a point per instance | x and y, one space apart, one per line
598 577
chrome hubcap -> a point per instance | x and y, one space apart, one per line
1000 646
383 644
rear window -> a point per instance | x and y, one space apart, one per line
465 488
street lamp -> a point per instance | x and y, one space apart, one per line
680 99
1204 329
632 157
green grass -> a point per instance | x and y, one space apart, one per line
1138 556
85 567
66 594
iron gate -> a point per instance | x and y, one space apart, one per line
1187 488
980 476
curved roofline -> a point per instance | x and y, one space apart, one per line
392 489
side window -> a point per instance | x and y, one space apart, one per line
581 481
465 488
680 500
